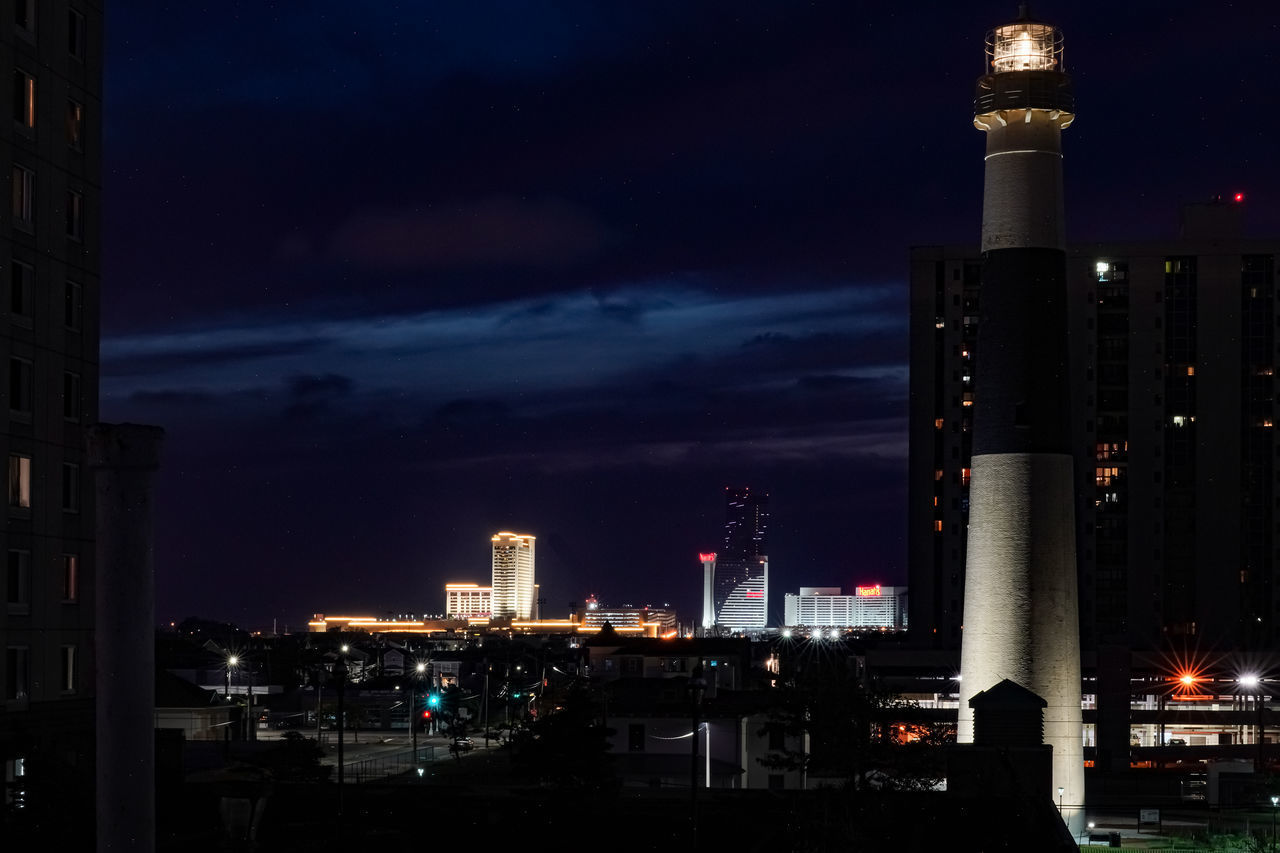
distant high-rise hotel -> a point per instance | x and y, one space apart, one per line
467 601
739 574
1174 428
49 270
513 587
870 607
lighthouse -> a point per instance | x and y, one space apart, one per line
1020 599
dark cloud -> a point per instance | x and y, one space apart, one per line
324 385
494 232
170 398
174 353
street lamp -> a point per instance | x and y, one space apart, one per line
413 706
232 661
1060 790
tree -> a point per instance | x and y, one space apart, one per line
296 758
567 746
852 732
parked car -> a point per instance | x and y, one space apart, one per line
463 744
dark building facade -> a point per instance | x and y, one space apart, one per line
49 267
1172 383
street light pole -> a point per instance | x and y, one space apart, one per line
696 686
340 674
1060 790
413 707
1275 801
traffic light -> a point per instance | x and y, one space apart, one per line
426 715
433 700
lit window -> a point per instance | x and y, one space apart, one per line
18 583
24 98
70 396
75 215
73 304
937 525
966 474
70 577
20 387
1191 370
24 195
937 473
19 481
1179 420
70 487
75 125
938 422
68 669
75 34
22 279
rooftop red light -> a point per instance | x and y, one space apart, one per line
1239 196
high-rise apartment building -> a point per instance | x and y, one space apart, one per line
49 265
739 574
1172 378
513 587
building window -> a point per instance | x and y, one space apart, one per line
68 679
24 98
73 305
70 577
635 737
22 278
75 215
16 673
20 388
24 195
19 481
18 583
71 396
75 125
70 487
24 17
75 34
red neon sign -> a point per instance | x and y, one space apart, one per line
707 558
755 595
868 591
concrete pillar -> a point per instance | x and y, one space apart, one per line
123 458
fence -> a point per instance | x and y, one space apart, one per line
377 769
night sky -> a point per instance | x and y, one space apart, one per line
396 276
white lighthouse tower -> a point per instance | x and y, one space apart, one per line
1020 601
